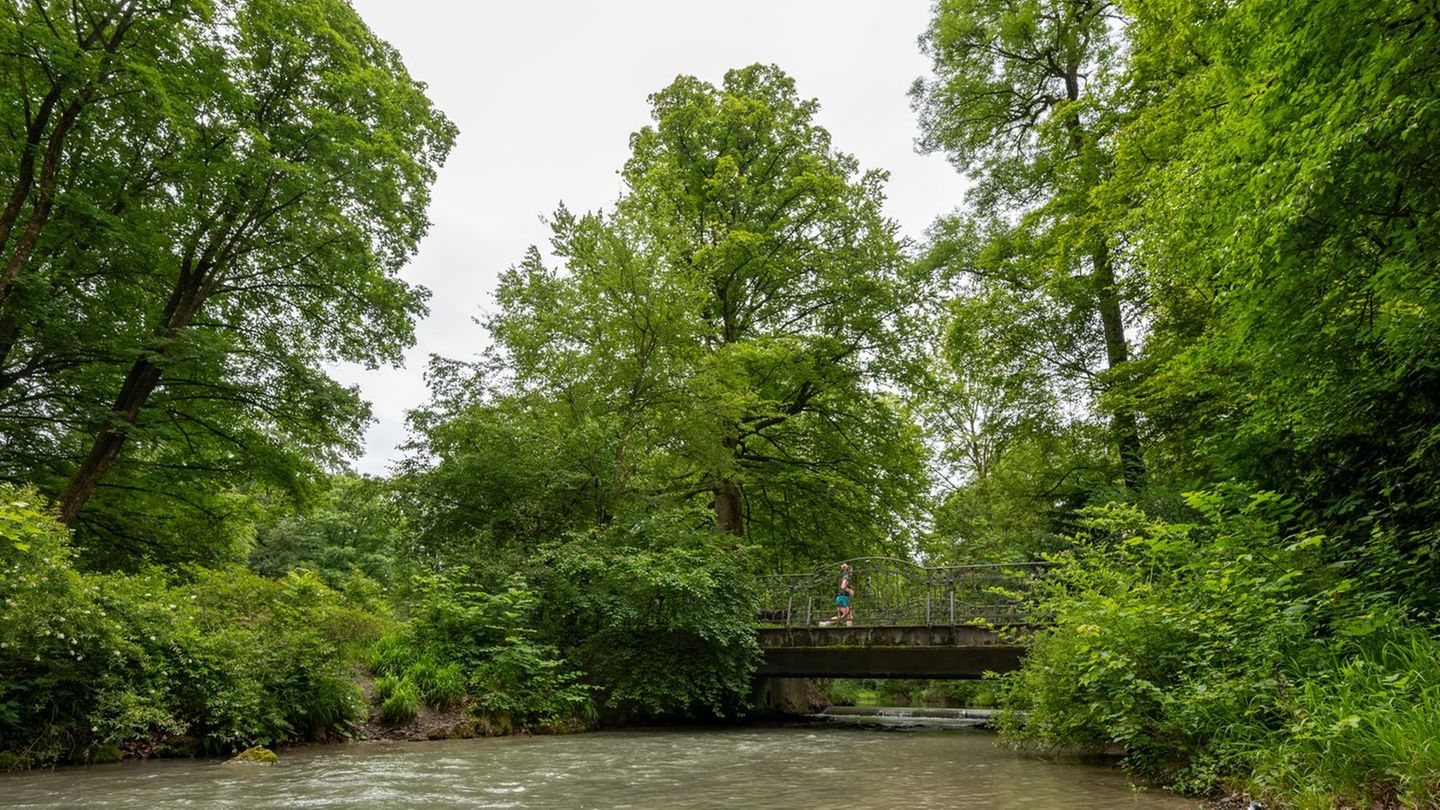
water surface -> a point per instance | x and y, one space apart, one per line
782 767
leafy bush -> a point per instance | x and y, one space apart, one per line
1166 638
1202 650
663 628
403 703
464 643
227 657
509 672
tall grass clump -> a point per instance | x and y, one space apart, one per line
1364 725
402 704
442 685
385 686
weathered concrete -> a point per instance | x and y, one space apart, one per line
787 697
887 652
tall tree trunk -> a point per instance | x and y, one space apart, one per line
1123 424
191 289
728 514
727 507
139 384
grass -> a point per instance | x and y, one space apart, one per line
403 703
1365 728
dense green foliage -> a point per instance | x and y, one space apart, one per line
1294 279
1180 337
661 618
353 533
1200 254
463 641
1227 650
196 660
204 203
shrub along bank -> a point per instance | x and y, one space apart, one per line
193 660
1229 654
185 661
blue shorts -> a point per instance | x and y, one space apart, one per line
842 601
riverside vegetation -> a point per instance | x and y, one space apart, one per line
1179 339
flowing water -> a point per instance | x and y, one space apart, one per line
822 766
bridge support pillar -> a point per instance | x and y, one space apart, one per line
787 696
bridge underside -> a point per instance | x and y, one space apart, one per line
886 652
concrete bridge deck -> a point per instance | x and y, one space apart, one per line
913 651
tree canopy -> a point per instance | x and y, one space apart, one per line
727 339
226 211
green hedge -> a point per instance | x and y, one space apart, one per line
179 662
1230 653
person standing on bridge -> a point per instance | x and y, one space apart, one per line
842 600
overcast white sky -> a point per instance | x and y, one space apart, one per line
546 94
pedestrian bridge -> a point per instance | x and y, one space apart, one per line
907 620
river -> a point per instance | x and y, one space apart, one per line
822 766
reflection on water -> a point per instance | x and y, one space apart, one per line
785 767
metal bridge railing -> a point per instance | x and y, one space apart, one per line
891 592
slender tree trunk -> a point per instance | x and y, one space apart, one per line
9 333
25 176
1122 423
54 145
45 200
140 383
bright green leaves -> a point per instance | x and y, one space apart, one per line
1013 93
234 217
717 342
1286 214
